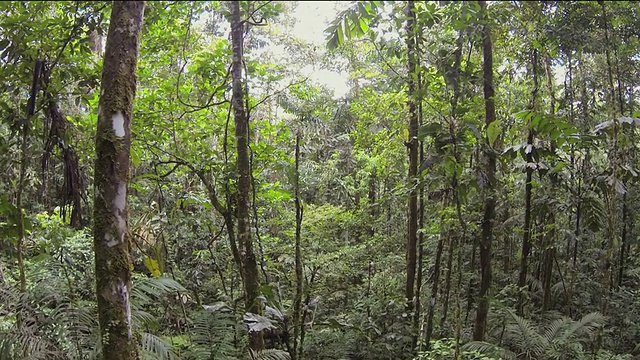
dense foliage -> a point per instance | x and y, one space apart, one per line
331 181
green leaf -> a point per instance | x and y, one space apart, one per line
493 130
450 166
364 27
152 266
257 323
354 29
523 115
430 129
340 33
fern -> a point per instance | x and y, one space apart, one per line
490 349
145 290
154 347
561 339
269 354
213 336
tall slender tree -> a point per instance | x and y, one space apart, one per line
297 304
113 140
490 174
247 255
412 144
528 189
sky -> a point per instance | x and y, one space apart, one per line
312 18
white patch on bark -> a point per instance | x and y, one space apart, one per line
121 196
111 241
122 292
118 124
119 202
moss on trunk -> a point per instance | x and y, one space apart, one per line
113 140
247 255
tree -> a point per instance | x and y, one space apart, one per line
241 119
412 144
112 243
489 176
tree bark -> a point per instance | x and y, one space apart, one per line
490 172
434 292
297 304
412 144
526 237
611 195
247 255
113 140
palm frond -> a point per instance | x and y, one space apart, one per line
523 333
555 328
583 327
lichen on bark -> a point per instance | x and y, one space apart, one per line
113 141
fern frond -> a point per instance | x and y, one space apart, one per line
145 289
490 350
269 354
534 282
157 347
213 335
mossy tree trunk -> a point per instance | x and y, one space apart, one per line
113 140
489 190
247 255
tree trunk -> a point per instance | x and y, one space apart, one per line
447 283
549 247
412 144
297 304
526 237
24 159
113 140
489 201
613 157
420 240
623 240
373 207
247 255
434 291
